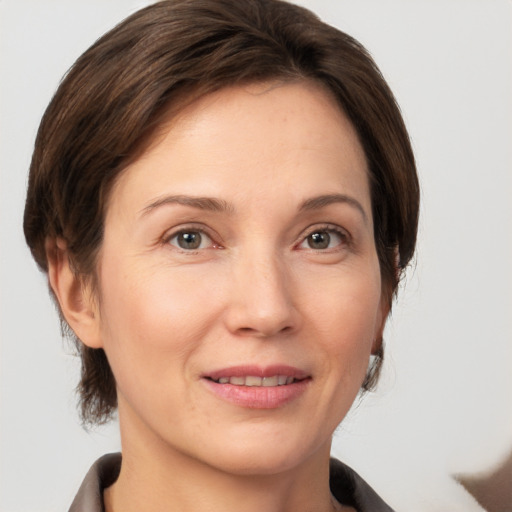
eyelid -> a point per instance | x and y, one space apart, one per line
329 228
187 228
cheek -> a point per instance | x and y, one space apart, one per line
154 316
351 336
345 311
349 296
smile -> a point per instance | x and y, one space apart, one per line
255 387
254 381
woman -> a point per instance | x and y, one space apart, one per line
224 196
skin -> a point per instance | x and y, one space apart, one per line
259 289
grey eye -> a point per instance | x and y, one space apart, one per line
319 240
324 239
188 240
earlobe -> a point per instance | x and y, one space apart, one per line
384 310
377 345
75 298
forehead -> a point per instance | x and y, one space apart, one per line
252 141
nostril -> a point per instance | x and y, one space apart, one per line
264 333
246 330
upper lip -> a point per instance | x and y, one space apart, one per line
257 371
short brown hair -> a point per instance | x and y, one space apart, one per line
119 91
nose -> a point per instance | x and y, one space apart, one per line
262 301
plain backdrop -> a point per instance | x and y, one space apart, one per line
444 404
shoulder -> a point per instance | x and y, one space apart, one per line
103 472
350 489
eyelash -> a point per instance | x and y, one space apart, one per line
189 230
345 239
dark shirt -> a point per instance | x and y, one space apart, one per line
346 486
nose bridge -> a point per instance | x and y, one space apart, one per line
262 303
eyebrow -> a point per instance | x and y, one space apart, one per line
210 204
213 204
318 202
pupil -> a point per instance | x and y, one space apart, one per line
319 240
189 240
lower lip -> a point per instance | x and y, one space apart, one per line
258 397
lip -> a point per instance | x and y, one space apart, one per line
272 397
257 371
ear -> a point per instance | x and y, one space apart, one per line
75 297
384 309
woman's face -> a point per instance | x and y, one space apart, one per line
240 292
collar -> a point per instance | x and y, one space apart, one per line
346 486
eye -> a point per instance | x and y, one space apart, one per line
322 239
190 240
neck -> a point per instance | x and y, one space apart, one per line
201 489
155 477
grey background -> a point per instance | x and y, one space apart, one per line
444 404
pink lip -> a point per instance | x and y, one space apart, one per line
258 371
258 397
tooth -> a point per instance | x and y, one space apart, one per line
270 381
237 381
281 380
253 381
289 380
223 380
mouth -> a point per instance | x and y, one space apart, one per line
258 388
254 381
255 376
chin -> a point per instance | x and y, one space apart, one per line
266 458
247 465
